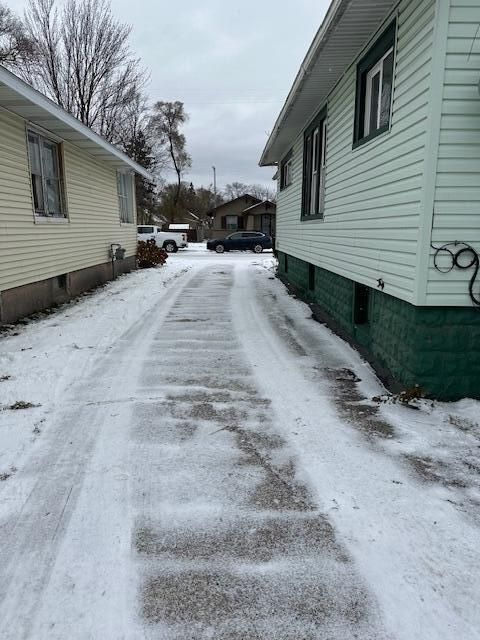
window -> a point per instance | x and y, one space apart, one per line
286 171
311 277
232 223
143 230
374 88
125 196
314 167
46 176
361 304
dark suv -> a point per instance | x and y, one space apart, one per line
243 241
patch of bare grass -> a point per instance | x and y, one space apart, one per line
20 405
8 474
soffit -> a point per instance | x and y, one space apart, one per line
346 29
20 98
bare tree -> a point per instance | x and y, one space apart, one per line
235 190
238 189
165 124
84 62
133 136
16 48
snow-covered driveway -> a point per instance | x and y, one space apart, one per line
205 462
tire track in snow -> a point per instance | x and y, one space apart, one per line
230 544
33 537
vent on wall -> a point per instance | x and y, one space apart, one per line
311 277
361 304
62 281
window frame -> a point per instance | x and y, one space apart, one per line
314 178
232 228
126 216
286 171
385 44
43 139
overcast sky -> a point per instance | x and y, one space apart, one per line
232 67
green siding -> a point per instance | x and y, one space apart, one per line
457 193
437 348
374 193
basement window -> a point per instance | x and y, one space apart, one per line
311 277
45 159
361 304
375 88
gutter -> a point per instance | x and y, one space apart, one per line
332 17
36 98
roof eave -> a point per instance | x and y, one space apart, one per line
329 35
47 106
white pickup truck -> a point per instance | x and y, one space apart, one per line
169 240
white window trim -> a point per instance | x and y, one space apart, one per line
287 173
127 198
314 172
39 218
323 168
377 68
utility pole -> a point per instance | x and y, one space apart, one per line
214 186
214 200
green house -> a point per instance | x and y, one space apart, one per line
378 210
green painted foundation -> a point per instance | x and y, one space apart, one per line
437 348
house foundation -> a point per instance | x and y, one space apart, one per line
18 302
436 348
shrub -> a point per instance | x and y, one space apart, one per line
149 255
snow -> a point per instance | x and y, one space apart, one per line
195 428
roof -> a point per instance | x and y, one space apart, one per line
20 98
346 29
225 204
266 203
178 226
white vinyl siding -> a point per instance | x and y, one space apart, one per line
457 192
32 252
373 193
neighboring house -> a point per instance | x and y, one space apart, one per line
67 203
244 213
378 151
261 217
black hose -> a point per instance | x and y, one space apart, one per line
455 251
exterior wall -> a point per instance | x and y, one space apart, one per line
18 302
253 219
374 193
38 251
437 348
457 187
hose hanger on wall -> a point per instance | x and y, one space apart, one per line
459 255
